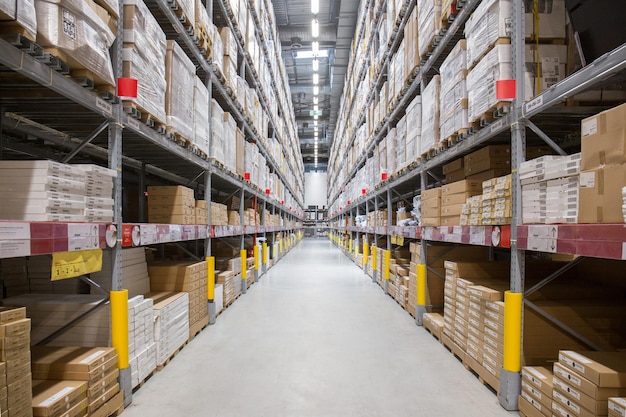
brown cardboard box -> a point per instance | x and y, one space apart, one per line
431 203
600 195
454 199
545 399
462 187
485 293
451 210
453 166
100 400
450 220
617 407
488 152
487 175
73 359
566 407
432 193
8 314
531 408
575 380
597 404
604 369
172 191
501 163
15 328
604 138
431 212
431 221
455 176
240 157
55 397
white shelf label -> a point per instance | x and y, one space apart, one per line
498 125
82 230
10 230
134 123
105 106
14 248
477 238
589 127
533 104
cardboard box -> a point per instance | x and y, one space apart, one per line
600 195
465 186
598 404
454 199
453 166
604 138
604 369
55 397
71 359
432 193
617 407
536 395
529 407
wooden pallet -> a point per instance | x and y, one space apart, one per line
85 77
138 112
448 14
500 109
171 356
456 137
13 28
141 384
177 138
113 407
197 327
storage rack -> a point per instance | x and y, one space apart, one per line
592 240
62 119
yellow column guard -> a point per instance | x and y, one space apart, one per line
386 265
421 284
210 260
119 326
512 331
244 264
256 257
366 253
265 257
374 256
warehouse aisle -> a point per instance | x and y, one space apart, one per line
315 337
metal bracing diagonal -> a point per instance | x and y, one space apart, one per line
567 329
435 177
85 142
188 252
437 273
94 284
545 138
553 276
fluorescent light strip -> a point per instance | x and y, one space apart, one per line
315 6
316 90
316 78
315 28
315 48
316 64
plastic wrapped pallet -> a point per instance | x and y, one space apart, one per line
171 322
217 132
481 80
429 23
401 133
180 78
490 21
75 29
201 116
144 58
217 47
414 129
188 9
229 143
430 115
21 15
454 112
111 6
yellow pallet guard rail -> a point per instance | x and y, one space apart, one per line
210 269
366 253
256 257
265 257
421 285
374 255
119 326
512 331
244 266
386 265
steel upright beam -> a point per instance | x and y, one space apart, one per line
422 274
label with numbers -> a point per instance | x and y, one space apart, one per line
533 104
73 264
105 106
134 123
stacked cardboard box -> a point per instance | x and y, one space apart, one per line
98 193
227 280
171 322
97 366
497 203
583 382
186 277
16 388
414 130
141 344
617 407
489 24
493 347
431 207
550 189
88 48
39 278
430 115
201 213
134 271
219 214
472 211
545 66
51 312
433 322
59 398
42 191
487 163
144 58
171 204
535 399
454 116
429 24
454 171
453 198
603 167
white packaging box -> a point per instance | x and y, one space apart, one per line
97 169
490 21
481 80
201 116
551 19
430 115
428 23
454 110
217 131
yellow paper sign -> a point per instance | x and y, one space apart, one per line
397 240
73 264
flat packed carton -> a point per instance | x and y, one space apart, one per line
604 138
597 404
617 407
604 369
600 194
55 397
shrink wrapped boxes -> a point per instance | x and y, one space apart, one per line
134 271
141 345
99 202
42 191
217 132
453 117
496 201
551 16
481 81
200 137
429 24
78 32
19 16
96 366
144 59
430 115
180 77
488 25
202 27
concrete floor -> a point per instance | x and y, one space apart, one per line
314 337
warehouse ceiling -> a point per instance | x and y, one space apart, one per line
337 21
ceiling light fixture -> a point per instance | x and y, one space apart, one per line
316 100
323 53
316 78
316 90
315 6
315 28
315 117
316 64
315 123
316 108
315 48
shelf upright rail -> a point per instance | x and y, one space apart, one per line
422 281
510 374
119 296
375 266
